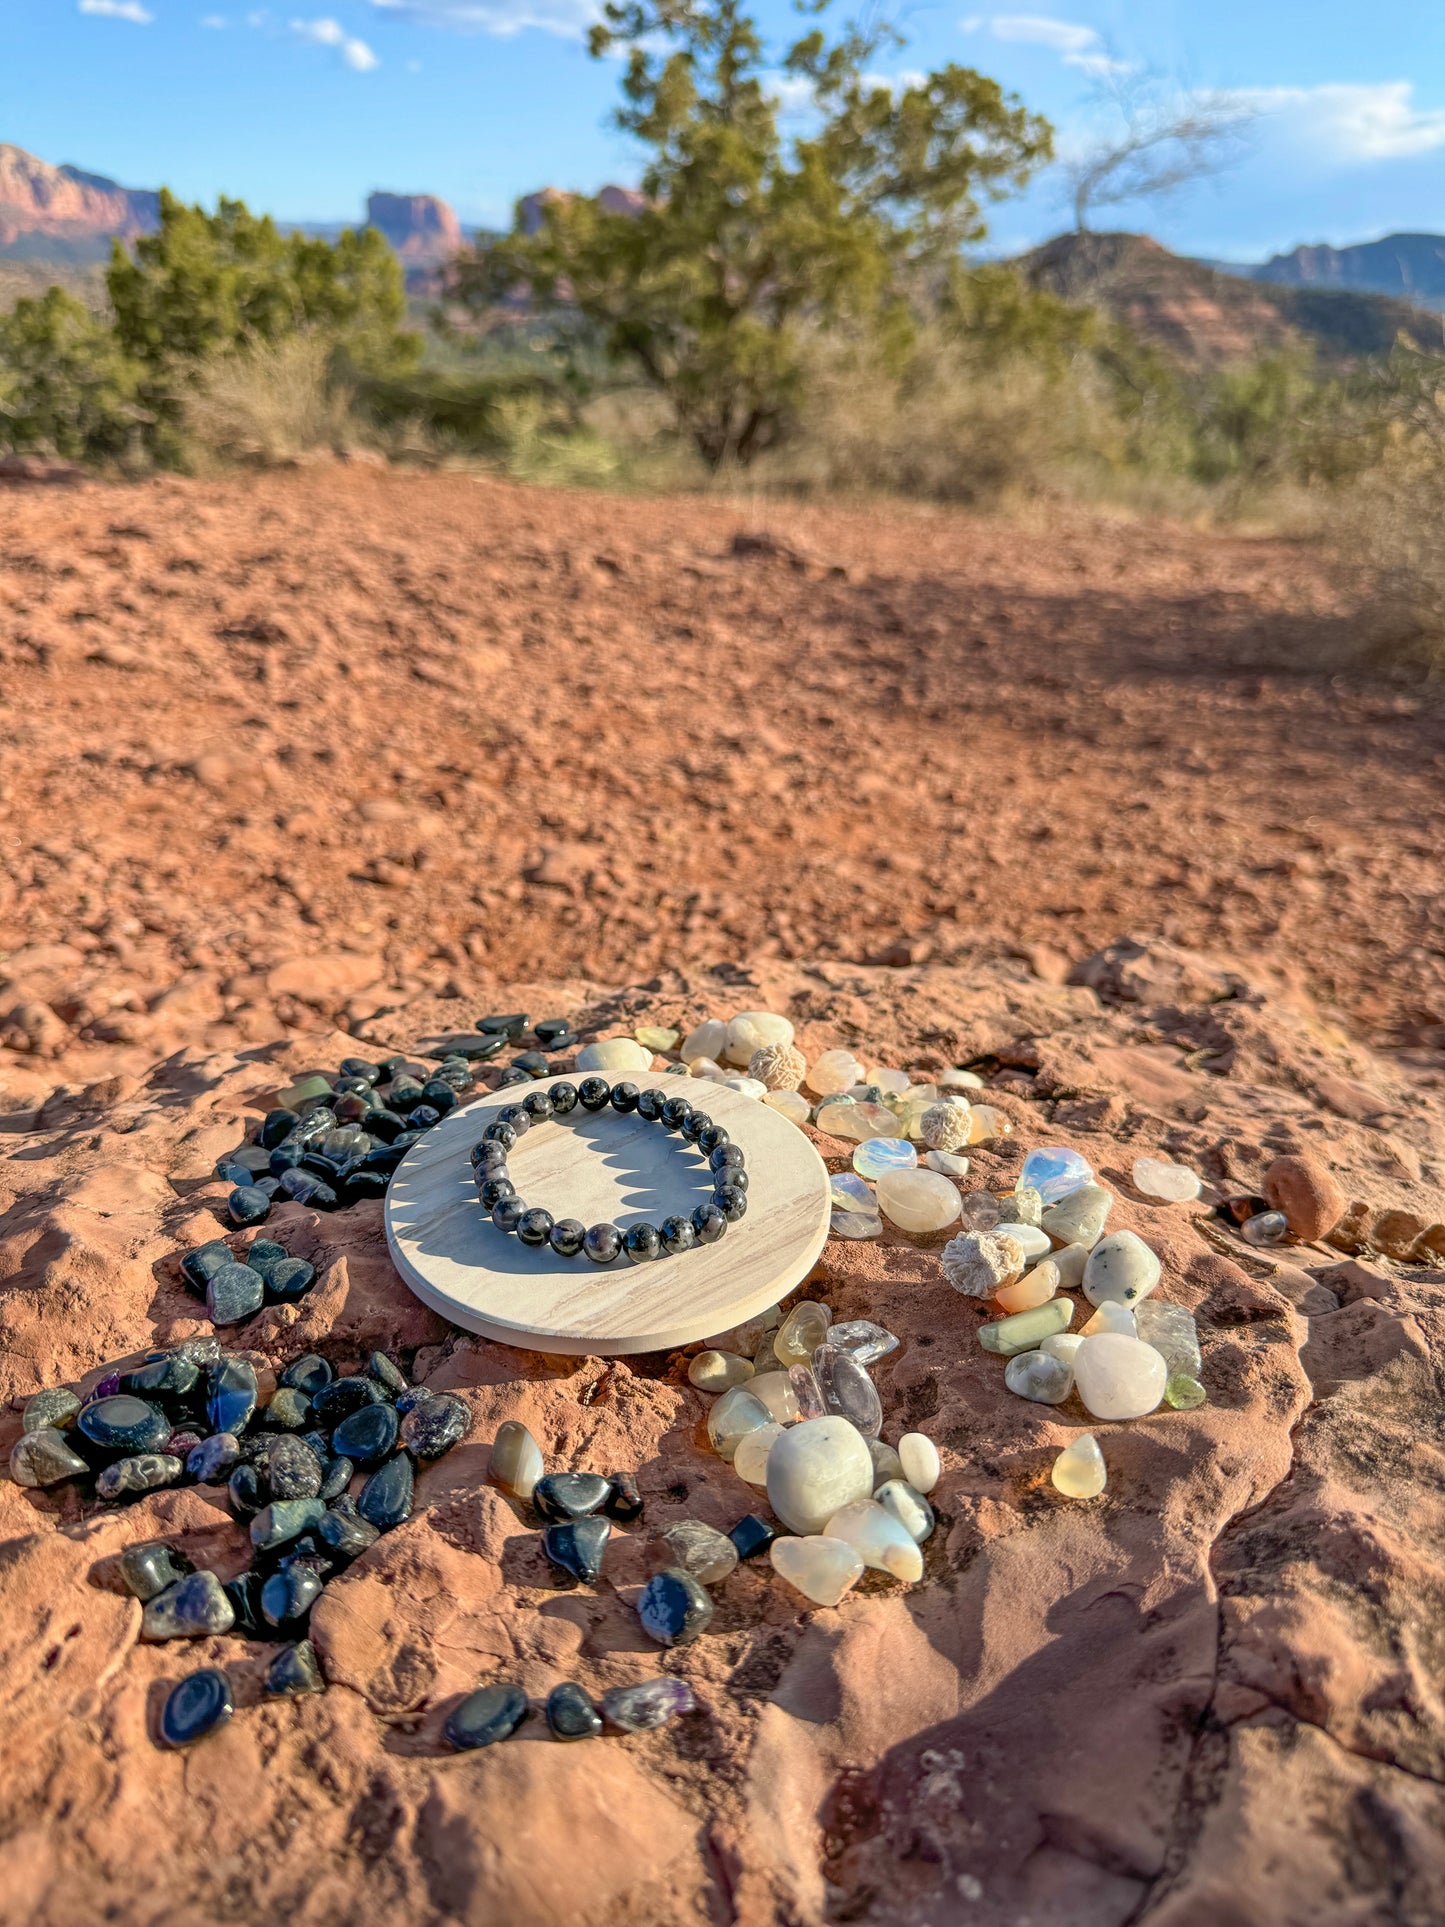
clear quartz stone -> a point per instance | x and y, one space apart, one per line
736 1413
803 1330
806 1391
823 1570
980 1211
1265 1228
1173 1333
775 1391
878 1538
706 1040
847 1389
862 1339
516 1460
718 1371
1078 1471
1023 1205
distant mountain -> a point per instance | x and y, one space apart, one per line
59 213
1408 266
1205 318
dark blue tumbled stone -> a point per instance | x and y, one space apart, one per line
247 1489
413 1396
284 1520
148 1570
214 1458
382 1369
361 1067
290 1280
366 1436
288 1596
195 1707
439 1095
752 1535
295 1670
275 1126
336 1475
124 1425
559 1496
311 1374
435 1426
423 1116
231 1395
167 1380
234 1294
244 1593
386 1498
200 1265
576 1548
507 1026
343 1396
247 1205
674 1608
293 1470
346 1533
532 1063
303 1187
490 1714
264 1255
571 1714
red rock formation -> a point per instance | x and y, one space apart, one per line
423 230
63 204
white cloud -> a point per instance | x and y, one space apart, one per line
1353 121
330 33
217 22
1076 45
131 10
567 19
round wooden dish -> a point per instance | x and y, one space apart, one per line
606 1167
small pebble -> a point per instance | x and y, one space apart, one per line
674 1608
283 1520
367 1436
1025 1331
862 1340
1039 1376
951 1163
576 1548
196 1706
233 1294
1121 1269
1183 1393
288 1596
846 1389
855 1224
570 1712
752 1535
918 1456
879 1539
735 1413
148 1569
624 1501
49 1410
295 1670
516 1459
908 1506
822 1569
248 1204
190 1609
1033 1242
693 1546
231 1395
42 1458
492 1713
714 1371
750 1461
146 1472
642 1708
814 1469
431 1428
386 1498
1118 1377
561 1496
1078 1472
1265 1228
293 1470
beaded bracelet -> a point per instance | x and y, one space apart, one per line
603 1242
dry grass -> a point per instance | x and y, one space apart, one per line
271 404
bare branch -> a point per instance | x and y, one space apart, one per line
1165 137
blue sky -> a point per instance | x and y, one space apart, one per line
303 109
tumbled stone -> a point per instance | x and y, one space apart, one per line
615 1058
693 1546
650 1704
1055 1172
570 1495
908 1506
433 1427
1184 1393
1119 1377
576 1547
834 1071
815 1468
750 1461
570 1712
288 1596
1272 1227
879 1539
290 1280
979 1211
735 1413
714 1371
231 1395
1071 1260
198 1266
1036 1287
123 1424
862 1339
1039 1376
293 1470
624 1499
822 1569
343 1531
1032 1242
367 1436
310 1374
986 1122
751 1031
979 1264
878 1156
886 1463
1162 1178
288 1411
1173 1333
345 1396
1121 1269
247 1204
951 1163
246 1489
673 1608
776 1392
1111 1317
294 1671
707 1040
43 1458
856 1224
234 1294
196 1706
490 1714
146 1472
1062 1345
51 1410
807 1392
386 1498
918 1201
752 1535
1078 1472
1026 1330
516 1459
801 1332
1023 1205
148 1569
918 1456
847 1390
1080 1218
283 1520
789 1104
189 1609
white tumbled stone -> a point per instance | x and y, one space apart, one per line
707 1040
789 1104
516 1460
918 1201
1062 1345
1161 1178
1039 1376
615 1057
749 1086
1110 1317
750 1461
908 1506
1070 1260
815 1468
1033 1242
1119 1377
833 1072
878 1538
1079 1219
823 1570
1121 1268
753 1030
951 1163
918 1456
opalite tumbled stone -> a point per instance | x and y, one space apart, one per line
1161 1178
981 1263
848 1192
1078 1471
776 1393
708 1039
1080 1218
1055 1171
516 1460
719 1371
1121 1268
750 1460
1026 1330
951 1163
789 1104
1173 1333
918 1201
862 1339
802 1332
735 1413
908 1506
615 1058
856 1224
1119 1377
878 1538
815 1468
880 1155
1111 1317
1030 1240
1036 1287
754 1030
823 1570
918 1456
847 1389
986 1122
835 1070
1039 1376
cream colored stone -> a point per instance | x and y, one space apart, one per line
714 1371
1080 1217
980 1263
886 1463
789 1104
615 1058
823 1570
945 1127
750 1461
948 1162
754 1030
1111 1318
918 1456
1161 1178
918 1201
908 1506
1078 1471
1071 1260
778 1066
834 1071
1062 1345
1031 1241
707 1040
737 1412
1121 1268
878 1538
814 1469
1119 1377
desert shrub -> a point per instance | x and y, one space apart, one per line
472 409
66 384
269 402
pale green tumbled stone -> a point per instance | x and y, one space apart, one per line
803 1330
1079 1218
1026 1330
1183 1392
1039 1376
715 1371
1173 1333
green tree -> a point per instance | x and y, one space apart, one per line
748 243
65 383
206 284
